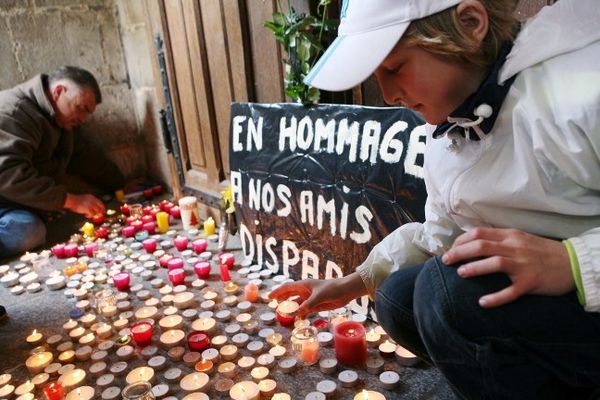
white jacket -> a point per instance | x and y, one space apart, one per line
537 171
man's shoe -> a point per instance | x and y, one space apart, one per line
2 313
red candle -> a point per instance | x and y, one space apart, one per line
166 205
98 219
150 227
137 225
175 263
227 259
157 189
121 281
149 245
130 220
202 269
320 324
101 232
125 209
89 249
128 231
251 292
285 312
225 273
147 218
141 332
175 212
350 344
54 391
199 245
147 210
177 276
59 250
180 242
71 250
197 341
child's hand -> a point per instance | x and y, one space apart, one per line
535 265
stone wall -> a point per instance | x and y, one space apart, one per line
107 37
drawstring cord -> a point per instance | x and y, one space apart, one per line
482 112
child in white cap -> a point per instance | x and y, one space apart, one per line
500 287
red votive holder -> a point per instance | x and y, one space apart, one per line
149 245
130 220
197 341
98 219
320 323
157 189
164 260
225 277
148 194
121 281
199 245
175 263
147 217
202 269
125 209
54 391
102 232
128 231
177 276
350 344
227 259
89 249
59 250
180 243
286 312
141 332
175 212
150 227
71 250
137 225
166 205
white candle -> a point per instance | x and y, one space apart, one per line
37 362
183 300
4 379
267 387
81 393
228 352
405 357
171 322
206 325
172 338
145 374
259 373
72 379
23 388
6 391
245 390
146 313
227 369
35 337
196 381
387 348
369 395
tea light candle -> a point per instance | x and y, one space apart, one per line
35 338
146 313
288 364
259 373
230 288
266 360
246 362
183 300
23 388
145 374
87 339
6 391
374 365
211 354
206 325
327 387
125 352
4 379
369 395
387 348
277 351
171 322
285 312
172 338
245 390
104 331
230 301
281 396
105 380
159 391
328 365
348 378
325 338
228 369
196 381
405 357
37 362
228 352
204 365
72 379
373 338
389 379
267 387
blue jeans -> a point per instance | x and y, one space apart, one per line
20 231
537 347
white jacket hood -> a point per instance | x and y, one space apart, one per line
566 26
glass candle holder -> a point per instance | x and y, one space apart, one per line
305 344
140 390
105 298
338 316
136 210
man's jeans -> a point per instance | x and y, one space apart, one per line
20 230
537 347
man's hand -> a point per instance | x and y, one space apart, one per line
85 204
535 265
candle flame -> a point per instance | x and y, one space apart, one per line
34 332
350 332
365 394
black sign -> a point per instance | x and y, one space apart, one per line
316 188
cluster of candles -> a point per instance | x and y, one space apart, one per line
208 343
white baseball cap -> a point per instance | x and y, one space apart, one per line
368 31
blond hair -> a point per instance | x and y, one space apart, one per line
442 33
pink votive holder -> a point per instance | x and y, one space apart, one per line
227 259
199 245
177 276
175 263
71 250
149 245
121 281
59 250
202 269
128 231
180 243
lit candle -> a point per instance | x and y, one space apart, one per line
146 313
23 388
228 352
405 357
141 332
121 281
6 391
209 226
145 374
88 229
177 275
230 288
369 395
202 269
373 338
37 362
245 390
387 348
171 322
199 245
183 300
172 338
204 365
285 312
196 381
81 393
350 343
72 379
162 220
228 369
35 337
54 391
206 325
